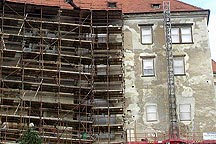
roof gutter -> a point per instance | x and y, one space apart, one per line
155 12
208 16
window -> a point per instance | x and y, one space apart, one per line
130 135
88 36
146 35
151 113
181 34
101 69
185 112
155 6
102 38
148 66
179 65
175 35
112 4
186 36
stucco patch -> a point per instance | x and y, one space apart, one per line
197 79
147 93
134 110
187 92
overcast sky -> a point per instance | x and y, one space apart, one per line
208 4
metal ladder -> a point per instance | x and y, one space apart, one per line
173 128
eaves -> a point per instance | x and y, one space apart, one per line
174 13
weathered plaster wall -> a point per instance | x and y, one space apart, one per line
196 87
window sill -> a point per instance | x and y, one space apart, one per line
179 74
152 121
185 120
146 43
184 43
148 76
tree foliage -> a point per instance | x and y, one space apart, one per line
30 137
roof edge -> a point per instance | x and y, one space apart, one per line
201 10
213 66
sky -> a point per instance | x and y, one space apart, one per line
211 5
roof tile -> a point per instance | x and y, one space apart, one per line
127 6
214 66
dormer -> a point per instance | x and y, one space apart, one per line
112 4
156 5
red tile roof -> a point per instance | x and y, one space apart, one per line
127 6
214 66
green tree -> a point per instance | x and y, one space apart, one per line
30 137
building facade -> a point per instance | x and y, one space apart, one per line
147 104
97 72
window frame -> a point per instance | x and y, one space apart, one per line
183 60
184 112
156 6
143 66
180 37
102 38
130 134
142 26
112 4
177 35
181 34
155 113
101 69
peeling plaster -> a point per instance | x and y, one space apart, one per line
192 88
187 92
135 110
135 37
195 80
132 94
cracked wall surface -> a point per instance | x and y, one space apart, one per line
195 87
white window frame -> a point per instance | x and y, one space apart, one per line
182 34
102 38
130 135
101 69
147 65
88 36
151 113
185 112
179 63
175 35
185 34
146 34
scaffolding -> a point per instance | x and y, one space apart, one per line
62 73
109 80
